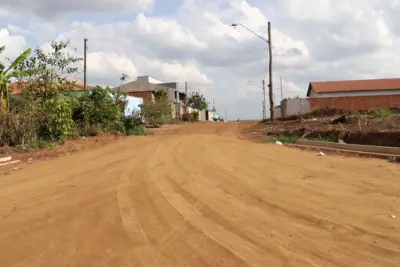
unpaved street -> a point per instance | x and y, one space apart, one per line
197 195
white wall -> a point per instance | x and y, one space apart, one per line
359 93
152 80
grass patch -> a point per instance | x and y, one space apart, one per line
269 140
383 112
288 139
38 145
138 130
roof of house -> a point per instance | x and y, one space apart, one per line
16 87
354 85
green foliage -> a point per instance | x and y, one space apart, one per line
133 126
45 74
194 116
158 112
161 95
7 74
61 123
287 139
197 101
99 108
394 159
43 113
383 112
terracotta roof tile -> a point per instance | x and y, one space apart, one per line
354 85
16 87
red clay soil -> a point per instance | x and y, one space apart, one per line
196 195
364 129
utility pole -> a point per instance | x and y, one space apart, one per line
271 94
225 116
281 90
84 62
186 93
264 108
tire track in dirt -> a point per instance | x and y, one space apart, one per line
387 248
239 248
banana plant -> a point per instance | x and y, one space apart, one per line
6 74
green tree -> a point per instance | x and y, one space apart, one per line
6 74
47 74
197 101
161 95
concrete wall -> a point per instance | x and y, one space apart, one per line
299 106
277 112
202 115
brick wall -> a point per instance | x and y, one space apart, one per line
146 95
299 106
356 103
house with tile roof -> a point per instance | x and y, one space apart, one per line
371 87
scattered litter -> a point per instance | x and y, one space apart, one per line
320 154
30 159
9 162
278 143
340 141
5 159
393 216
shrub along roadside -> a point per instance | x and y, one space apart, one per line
46 112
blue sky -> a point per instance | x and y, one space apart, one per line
191 40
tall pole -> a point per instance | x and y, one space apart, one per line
271 94
264 108
281 90
84 62
186 93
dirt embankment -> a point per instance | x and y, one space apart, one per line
354 129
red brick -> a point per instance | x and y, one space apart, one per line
380 102
360 103
395 101
342 103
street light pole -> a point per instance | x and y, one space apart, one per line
270 86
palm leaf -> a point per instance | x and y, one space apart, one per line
20 59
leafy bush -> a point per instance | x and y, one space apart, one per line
99 109
194 116
45 112
383 112
159 111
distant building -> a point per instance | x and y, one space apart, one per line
354 88
146 86
351 95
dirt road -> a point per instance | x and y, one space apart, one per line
196 195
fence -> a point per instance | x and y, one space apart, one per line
299 106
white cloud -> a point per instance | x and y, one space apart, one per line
51 9
15 44
312 40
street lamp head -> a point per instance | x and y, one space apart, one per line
234 25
